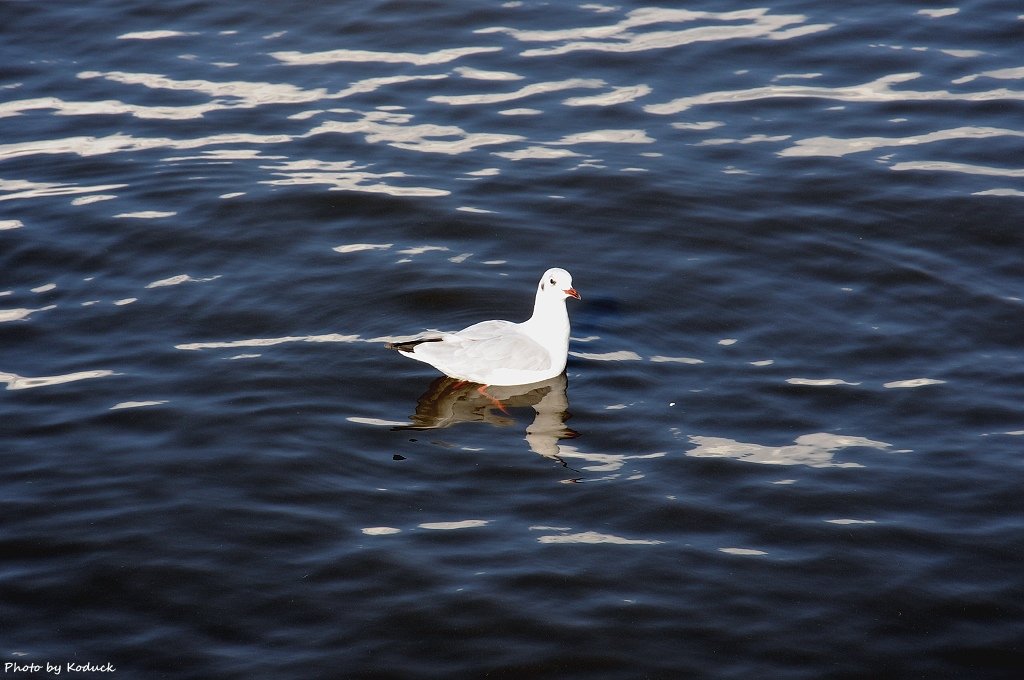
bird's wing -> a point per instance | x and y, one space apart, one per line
485 330
486 346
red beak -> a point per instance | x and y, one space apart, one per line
571 292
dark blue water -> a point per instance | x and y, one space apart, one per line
790 439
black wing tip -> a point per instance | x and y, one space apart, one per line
410 345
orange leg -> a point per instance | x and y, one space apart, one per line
483 390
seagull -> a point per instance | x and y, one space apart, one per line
502 352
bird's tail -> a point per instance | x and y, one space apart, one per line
410 345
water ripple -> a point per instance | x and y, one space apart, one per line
19 382
362 56
828 146
874 91
623 36
812 450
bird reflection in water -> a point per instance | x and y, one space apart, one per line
448 402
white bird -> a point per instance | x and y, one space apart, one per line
503 352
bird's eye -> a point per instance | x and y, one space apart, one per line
552 282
